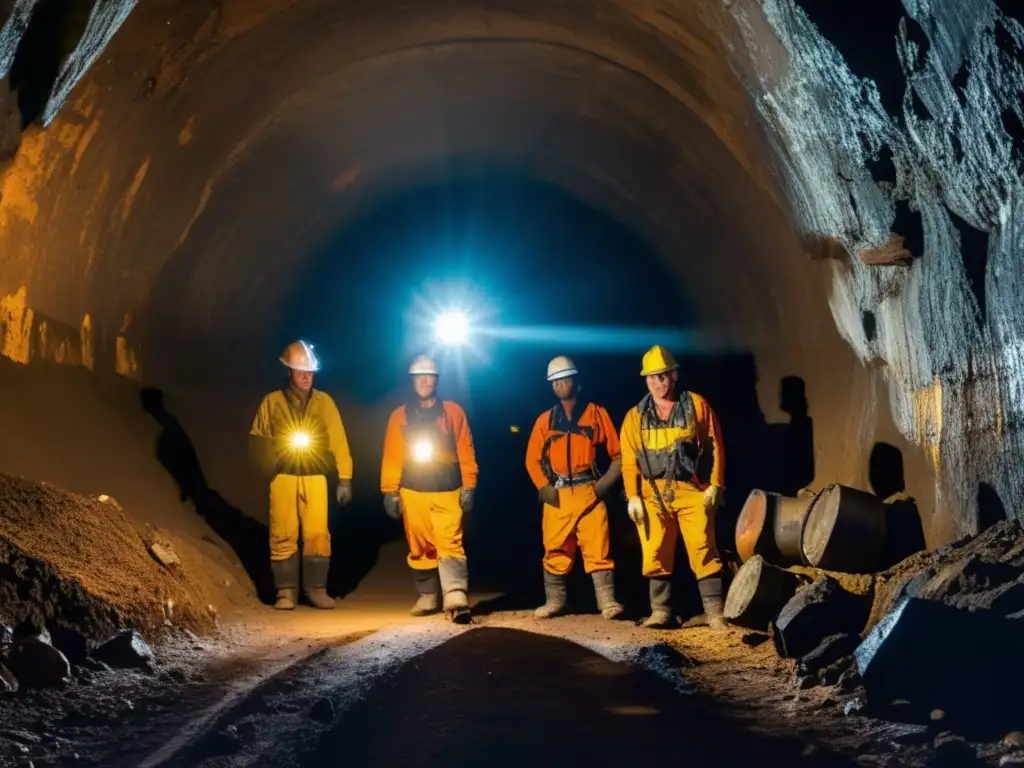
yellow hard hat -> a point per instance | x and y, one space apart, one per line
561 368
658 360
423 366
299 357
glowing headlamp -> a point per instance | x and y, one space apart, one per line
452 329
423 450
299 440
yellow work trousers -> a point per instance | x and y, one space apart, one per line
579 519
433 527
299 501
687 515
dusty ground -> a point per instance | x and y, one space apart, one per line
254 694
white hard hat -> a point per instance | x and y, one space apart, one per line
423 366
561 368
299 357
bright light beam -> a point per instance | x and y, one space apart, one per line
452 329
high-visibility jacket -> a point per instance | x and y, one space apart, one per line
671 449
283 412
562 450
445 428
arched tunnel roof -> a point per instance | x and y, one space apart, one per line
221 143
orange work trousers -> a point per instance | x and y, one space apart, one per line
580 519
433 527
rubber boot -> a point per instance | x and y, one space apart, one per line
604 590
554 596
428 585
286 581
454 573
711 597
661 604
314 581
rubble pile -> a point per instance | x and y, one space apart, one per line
935 640
74 573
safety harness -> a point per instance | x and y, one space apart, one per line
560 424
676 461
443 471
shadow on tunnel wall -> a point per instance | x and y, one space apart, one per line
904 529
357 534
174 450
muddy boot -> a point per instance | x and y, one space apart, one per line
314 578
661 604
286 581
604 590
711 597
554 595
454 573
428 585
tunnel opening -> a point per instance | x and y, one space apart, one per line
550 275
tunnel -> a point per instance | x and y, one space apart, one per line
175 182
818 209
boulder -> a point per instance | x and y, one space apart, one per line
126 650
933 655
830 650
814 613
37 664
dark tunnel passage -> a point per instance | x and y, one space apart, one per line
231 175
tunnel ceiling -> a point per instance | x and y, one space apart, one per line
187 155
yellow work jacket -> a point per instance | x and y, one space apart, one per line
281 414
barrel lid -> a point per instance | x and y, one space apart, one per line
743 588
750 524
821 521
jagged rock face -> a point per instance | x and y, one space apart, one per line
187 145
943 321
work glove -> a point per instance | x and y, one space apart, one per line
466 499
548 495
393 505
344 492
712 498
635 510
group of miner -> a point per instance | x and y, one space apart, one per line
429 477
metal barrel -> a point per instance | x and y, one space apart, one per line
845 530
771 525
751 526
790 517
757 593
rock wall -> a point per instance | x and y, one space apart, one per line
922 218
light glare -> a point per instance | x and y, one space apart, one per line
423 450
452 329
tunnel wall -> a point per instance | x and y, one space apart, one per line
918 215
142 230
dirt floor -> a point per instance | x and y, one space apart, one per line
382 689
249 686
